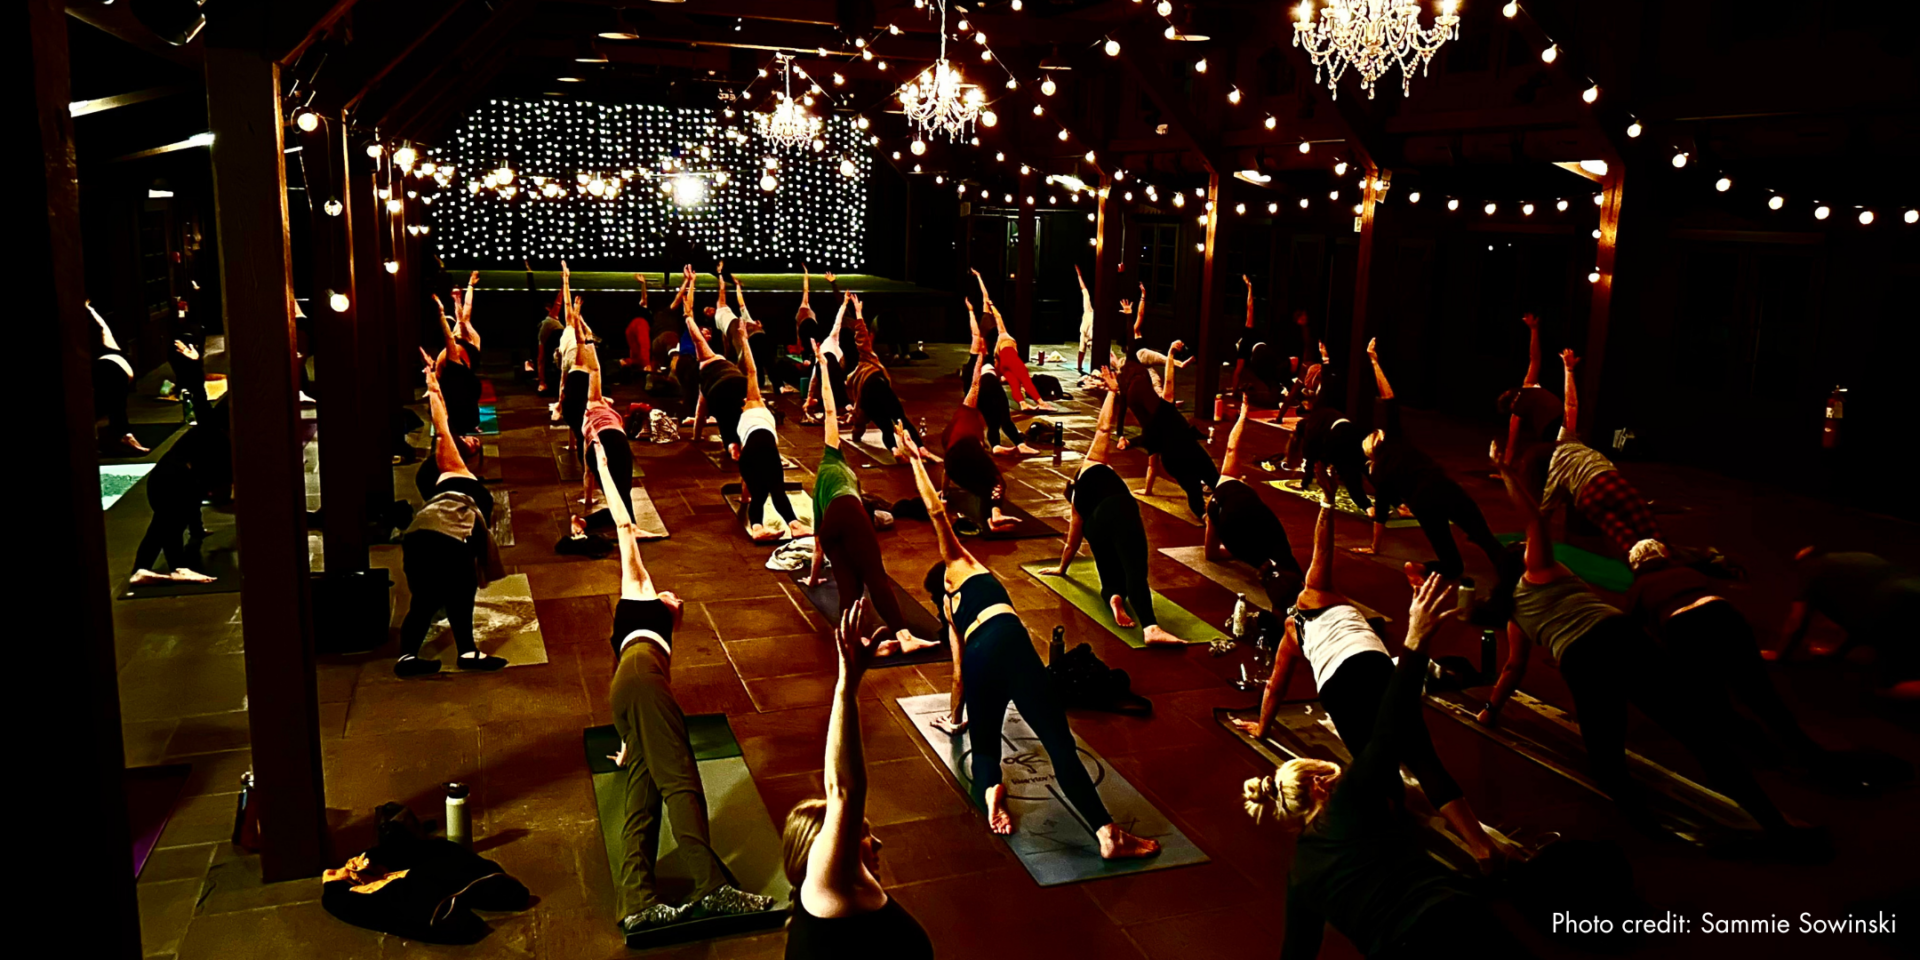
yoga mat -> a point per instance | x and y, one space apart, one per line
1029 527
504 624
563 461
796 494
825 597
1049 837
644 515
1342 502
1081 587
738 827
151 793
117 479
219 558
1606 573
1304 731
718 456
489 420
1545 734
1174 505
502 519
876 452
150 435
1239 578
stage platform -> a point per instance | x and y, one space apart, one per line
601 280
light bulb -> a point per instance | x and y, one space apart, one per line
394 205
1561 206
1113 48
1305 146
1163 8
1200 248
1526 209
881 65
1171 32
1200 65
848 169
1591 93
1240 208
1271 122
338 302
1273 208
1510 9
1866 217
1340 169
989 119
1490 208
919 147
1063 134
1013 84
1453 204
1016 6
1090 158
963 26
374 150
1039 111
1822 212
1413 197
1550 54
1128 196
1596 199
861 122
1179 199
1596 233
768 183
1593 277
1047 87
404 157
1333 195
1679 160
393 266
1303 203
1634 129
306 120
333 208
1776 201
1723 184
1233 96
1358 207
999 156
1912 216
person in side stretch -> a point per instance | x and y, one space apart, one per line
444 551
1174 443
763 475
1534 414
874 402
831 856
1352 671
1086 323
1358 865
723 387
601 425
1003 434
1006 354
970 466
1579 475
1240 525
112 382
1108 517
1610 663
198 467
1259 370
994 664
655 758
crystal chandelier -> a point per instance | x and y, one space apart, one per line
788 124
1372 37
939 100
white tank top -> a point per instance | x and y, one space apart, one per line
752 419
1332 636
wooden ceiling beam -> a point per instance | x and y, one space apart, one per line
378 46
455 63
1137 46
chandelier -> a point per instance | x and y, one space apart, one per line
788 124
939 100
1372 37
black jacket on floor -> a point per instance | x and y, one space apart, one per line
434 902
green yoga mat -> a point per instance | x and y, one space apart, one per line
739 828
118 478
1604 572
1081 587
1172 504
1049 836
1342 501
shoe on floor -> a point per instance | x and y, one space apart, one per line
481 662
658 915
728 901
415 667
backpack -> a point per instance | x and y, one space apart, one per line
1049 386
1080 679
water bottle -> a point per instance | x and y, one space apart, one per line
1219 406
1057 647
1238 625
459 822
1464 602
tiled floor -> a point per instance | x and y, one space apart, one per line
752 648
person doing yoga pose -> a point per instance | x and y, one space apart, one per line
1241 524
1086 323
640 333
1006 354
991 400
444 551
1580 475
843 537
1260 372
1107 516
994 663
1609 663
1534 414
970 466
1359 863
459 384
198 467
112 381
831 856
723 388
601 425
1174 443
874 400
762 469
655 758
1352 670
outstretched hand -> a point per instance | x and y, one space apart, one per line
1569 359
856 651
906 442
1372 352
433 379
437 305
473 278
1107 378
1530 320
564 272
1425 615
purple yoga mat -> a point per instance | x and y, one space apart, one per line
151 792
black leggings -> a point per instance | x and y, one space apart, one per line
619 463
440 576
998 665
573 409
1190 467
176 514
881 407
1352 698
993 407
1119 543
1715 644
1436 506
1617 664
846 537
1450 925
763 477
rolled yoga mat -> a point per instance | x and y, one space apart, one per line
504 625
1341 501
1049 837
1303 730
1545 734
738 826
825 597
1606 573
1081 587
796 494
1239 578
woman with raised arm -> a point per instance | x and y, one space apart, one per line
1584 477
1174 443
831 856
763 474
872 390
640 332
1359 863
459 384
1533 413
970 466
1086 323
1241 524
655 757
755 337
444 551
723 387
1108 517
1352 670
832 376
994 663
1609 663
1006 353
1003 435
1402 473
601 425
463 328
843 537
1267 376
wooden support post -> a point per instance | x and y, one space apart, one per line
1600 312
87 760
1359 369
1214 295
1108 256
283 714
373 309
1028 225
343 474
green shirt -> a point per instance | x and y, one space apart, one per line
834 479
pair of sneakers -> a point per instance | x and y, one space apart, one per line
418 667
728 901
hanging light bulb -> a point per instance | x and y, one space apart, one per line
1776 201
1303 203
1490 208
989 119
1016 6
1047 87
404 157
1453 204
1240 208
339 303
1179 199
1596 233
1561 205
1550 54
1112 47
1593 277
306 120
1200 65
374 150
1510 9
1090 158
1305 146
1413 197
847 169
1911 216
1723 184
1273 208
1526 209
1233 96
394 205
1866 217
999 156
1039 111
768 183
1591 93
1163 8
1271 122
1679 160
1340 169
333 208
1063 134
861 122
1822 212
1634 129
919 147
393 266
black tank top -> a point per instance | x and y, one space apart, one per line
889 932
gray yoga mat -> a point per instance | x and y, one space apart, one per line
825 597
1049 837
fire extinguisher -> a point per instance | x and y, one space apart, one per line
1836 411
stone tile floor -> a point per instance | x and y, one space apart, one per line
752 649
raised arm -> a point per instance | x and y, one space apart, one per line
446 450
1140 311
986 299
1533 350
1285 658
701 348
950 548
976 346
806 288
832 425
837 881
1379 376
972 399
1539 557
643 289
1101 448
635 582
720 281
447 342
1320 568
1086 296
1569 428
1230 460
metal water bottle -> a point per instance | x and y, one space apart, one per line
1057 647
459 821
1238 625
1464 600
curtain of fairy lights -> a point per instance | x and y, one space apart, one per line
815 212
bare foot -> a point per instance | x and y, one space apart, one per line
1157 636
1416 575
133 444
1117 844
1028 450
798 529
761 533
184 575
143 578
1002 450
578 526
999 820
1120 611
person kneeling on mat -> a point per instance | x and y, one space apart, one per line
655 757
1355 865
1353 673
1108 517
831 856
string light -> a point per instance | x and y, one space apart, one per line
1200 65
1822 212
1723 184
1776 201
1112 47
1233 96
1593 277
1526 210
1305 146
1866 217
338 301
1271 122
1634 129
1163 8
1510 9
1453 204
1047 87
1550 54
1911 216
1591 94
332 207
1413 197
393 266
1561 205
1273 208
1303 203
306 120
1679 160
1490 208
